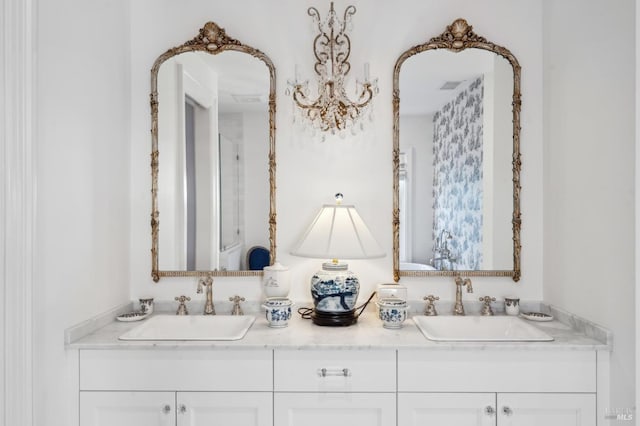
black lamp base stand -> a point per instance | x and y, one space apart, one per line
334 319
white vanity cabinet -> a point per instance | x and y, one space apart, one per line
365 376
166 387
224 408
175 408
340 388
501 409
549 409
127 408
446 409
497 388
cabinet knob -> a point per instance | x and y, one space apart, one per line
507 411
182 409
489 410
166 409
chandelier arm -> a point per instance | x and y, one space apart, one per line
348 13
319 53
346 53
313 12
369 93
366 91
298 102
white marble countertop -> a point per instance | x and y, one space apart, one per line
368 333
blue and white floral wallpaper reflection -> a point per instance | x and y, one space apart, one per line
457 180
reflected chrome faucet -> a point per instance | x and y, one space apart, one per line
458 308
442 253
208 283
442 240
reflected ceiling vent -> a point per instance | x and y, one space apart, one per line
450 85
249 99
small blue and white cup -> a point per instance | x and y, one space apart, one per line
278 311
512 306
392 311
146 305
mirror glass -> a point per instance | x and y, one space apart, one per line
455 174
214 135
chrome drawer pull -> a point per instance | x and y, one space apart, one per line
489 411
336 372
166 409
182 409
507 411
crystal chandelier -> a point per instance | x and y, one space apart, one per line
332 111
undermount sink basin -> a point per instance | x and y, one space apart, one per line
191 327
479 329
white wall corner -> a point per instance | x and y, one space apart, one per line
637 206
603 383
17 194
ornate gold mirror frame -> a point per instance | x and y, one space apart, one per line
458 37
213 40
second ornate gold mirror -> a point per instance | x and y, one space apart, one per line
456 155
213 158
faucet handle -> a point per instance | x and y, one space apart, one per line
486 308
430 309
236 310
182 307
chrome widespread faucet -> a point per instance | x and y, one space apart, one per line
444 236
209 309
458 308
442 257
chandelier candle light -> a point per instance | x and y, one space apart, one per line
333 111
337 231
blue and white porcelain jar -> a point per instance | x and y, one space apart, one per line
392 311
335 288
278 311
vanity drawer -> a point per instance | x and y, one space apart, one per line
335 370
176 370
496 371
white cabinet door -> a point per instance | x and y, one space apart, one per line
127 409
335 409
225 408
446 409
548 409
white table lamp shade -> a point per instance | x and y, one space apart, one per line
338 232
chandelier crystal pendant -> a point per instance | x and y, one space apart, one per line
333 111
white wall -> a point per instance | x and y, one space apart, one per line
416 137
178 78
502 168
256 179
637 203
17 224
83 151
589 171
309 172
